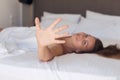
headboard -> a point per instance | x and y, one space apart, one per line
111 7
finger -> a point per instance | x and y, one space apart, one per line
37 23
60 29
62 35
59 41
55 23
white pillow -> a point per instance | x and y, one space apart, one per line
72 26
90 27
99 30
75 18
103 17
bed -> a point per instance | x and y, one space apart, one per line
18 47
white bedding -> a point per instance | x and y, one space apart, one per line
18 59
68 67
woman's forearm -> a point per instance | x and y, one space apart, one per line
44 53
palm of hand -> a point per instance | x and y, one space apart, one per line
48 36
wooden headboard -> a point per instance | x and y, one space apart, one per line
111 7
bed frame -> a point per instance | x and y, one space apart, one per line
111 7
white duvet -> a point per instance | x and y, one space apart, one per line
18 60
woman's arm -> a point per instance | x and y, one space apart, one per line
46 37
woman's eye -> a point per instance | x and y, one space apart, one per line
85 43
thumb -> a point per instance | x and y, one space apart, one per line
37 23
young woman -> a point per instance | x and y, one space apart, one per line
51 44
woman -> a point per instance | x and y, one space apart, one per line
51 44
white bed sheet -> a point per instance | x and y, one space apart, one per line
84 67
20 61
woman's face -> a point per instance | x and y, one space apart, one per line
83 42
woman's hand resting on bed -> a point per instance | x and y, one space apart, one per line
49 35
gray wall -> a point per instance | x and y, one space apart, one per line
13 13
77 6
9 13
27 19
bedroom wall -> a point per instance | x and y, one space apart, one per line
27 19
77 6
13 13
9 13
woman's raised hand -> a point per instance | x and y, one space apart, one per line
49 35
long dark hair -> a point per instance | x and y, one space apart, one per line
111 51
98 46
